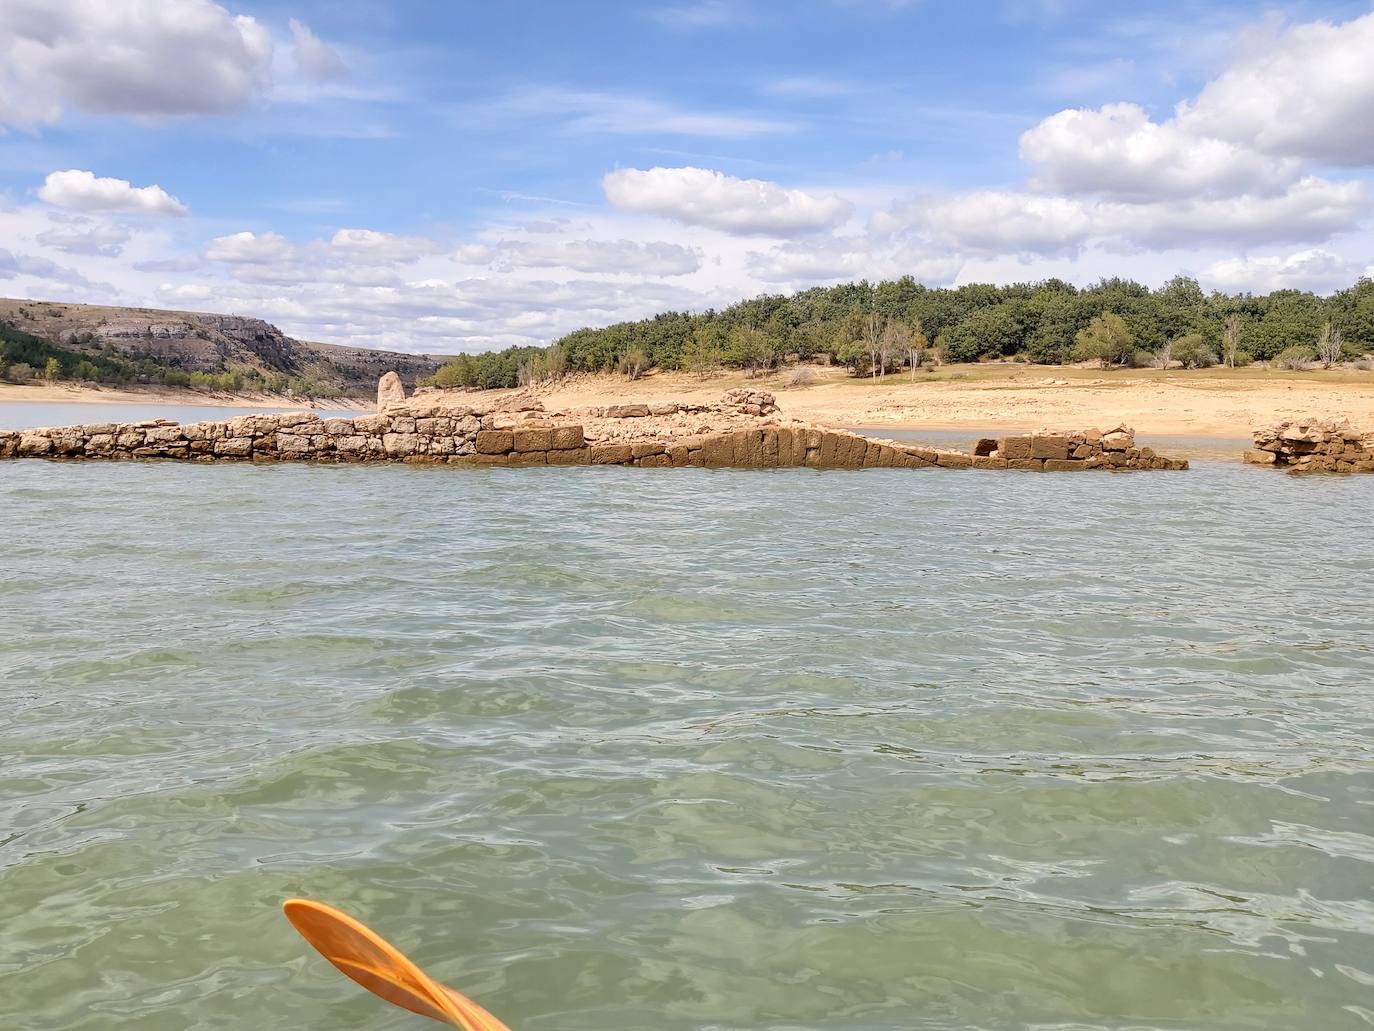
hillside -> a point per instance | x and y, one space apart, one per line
127 346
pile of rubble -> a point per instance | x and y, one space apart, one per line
1314 446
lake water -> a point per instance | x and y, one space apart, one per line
624 750
26 415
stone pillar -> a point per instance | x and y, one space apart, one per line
390 391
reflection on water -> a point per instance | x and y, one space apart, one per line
616 750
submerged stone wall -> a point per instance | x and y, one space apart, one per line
743 430
1314 446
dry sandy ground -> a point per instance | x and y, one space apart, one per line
1219 403
74 393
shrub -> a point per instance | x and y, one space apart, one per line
1297 358
1244 358
1107 339
21 372
634 363
1192 350
801 376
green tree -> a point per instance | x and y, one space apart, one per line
52 370
1107 339
1191 349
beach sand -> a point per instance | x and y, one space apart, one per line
1216 403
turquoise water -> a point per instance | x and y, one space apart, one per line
611 749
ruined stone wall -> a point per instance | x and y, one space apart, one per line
1314 446
1048 451
743 430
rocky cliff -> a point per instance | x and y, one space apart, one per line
204 342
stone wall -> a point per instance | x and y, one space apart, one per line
1314 446
744 430
1049 451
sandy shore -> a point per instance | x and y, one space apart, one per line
75 393
1215 403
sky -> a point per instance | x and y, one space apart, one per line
442 175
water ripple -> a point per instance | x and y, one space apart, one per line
703 751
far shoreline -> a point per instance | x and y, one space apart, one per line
80 394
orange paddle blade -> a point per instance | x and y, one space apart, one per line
369 959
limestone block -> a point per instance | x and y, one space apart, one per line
949 460
1059 465
494 442
567 438
570 456
1054 448
718 451
1013 448
1031 464
530 440
645 448
399 445
610 454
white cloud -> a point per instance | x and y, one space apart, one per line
316 60
14 265
608 113
1304 91
83 191
835 260
1011 222
250 249
1317 270
151 58
606 256
85 236
699 196
368 244
1119 152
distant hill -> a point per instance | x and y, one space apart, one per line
104 344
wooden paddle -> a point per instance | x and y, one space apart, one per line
369 959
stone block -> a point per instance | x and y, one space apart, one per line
1012 448
400 445
494 442
645 448
627 411
1063 465
234 447
654 461
988 462
1030 464
678 455
610 454
718 451
984 447
567 438
1054 448
529 458
529 440
570 456
949 460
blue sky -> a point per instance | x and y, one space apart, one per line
455 176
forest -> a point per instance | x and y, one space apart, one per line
878 327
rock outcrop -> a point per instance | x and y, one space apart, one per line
443 430
1314 446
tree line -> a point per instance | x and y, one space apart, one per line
878 327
